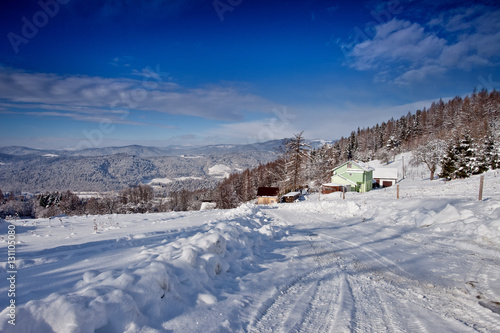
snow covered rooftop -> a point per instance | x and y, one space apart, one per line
362 165
331 184
387 173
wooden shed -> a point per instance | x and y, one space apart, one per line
267 195
291 197
334 187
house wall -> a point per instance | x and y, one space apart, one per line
353 173
382 180
367 182
341 181
267 200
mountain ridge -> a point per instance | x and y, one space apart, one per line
24 169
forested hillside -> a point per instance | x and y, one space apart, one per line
462 136
112 169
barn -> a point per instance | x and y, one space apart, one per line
267 195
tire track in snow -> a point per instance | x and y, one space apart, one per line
344 318
484 319
390 324
385 262
296 304
322 307
307 303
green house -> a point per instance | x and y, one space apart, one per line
354 175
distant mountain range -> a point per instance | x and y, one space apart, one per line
113 168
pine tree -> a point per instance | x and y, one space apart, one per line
448 163
392 145
465 157
491 152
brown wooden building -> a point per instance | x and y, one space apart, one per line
332 187
291 196
267 195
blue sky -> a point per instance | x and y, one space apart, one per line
80 74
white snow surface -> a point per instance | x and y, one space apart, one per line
428 262
219 171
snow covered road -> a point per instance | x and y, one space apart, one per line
366 277
429 262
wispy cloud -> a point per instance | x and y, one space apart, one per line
93 98
396 41
252 131
460 38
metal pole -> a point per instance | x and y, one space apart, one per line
481 182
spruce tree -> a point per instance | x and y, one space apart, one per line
465 157
448 163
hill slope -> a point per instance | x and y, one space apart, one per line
428 262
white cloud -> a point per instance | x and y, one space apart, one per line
419 74
92 98
396 41
462 38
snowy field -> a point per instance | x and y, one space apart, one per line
428 262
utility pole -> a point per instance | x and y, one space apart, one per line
403 166
481 182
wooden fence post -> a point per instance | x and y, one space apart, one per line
481 182
397 191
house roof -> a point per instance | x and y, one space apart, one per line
292 194
389 173
361 165
268 191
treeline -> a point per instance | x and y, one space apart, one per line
137 199
476 116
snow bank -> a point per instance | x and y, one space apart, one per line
171 277
343 208
479 221
448 214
